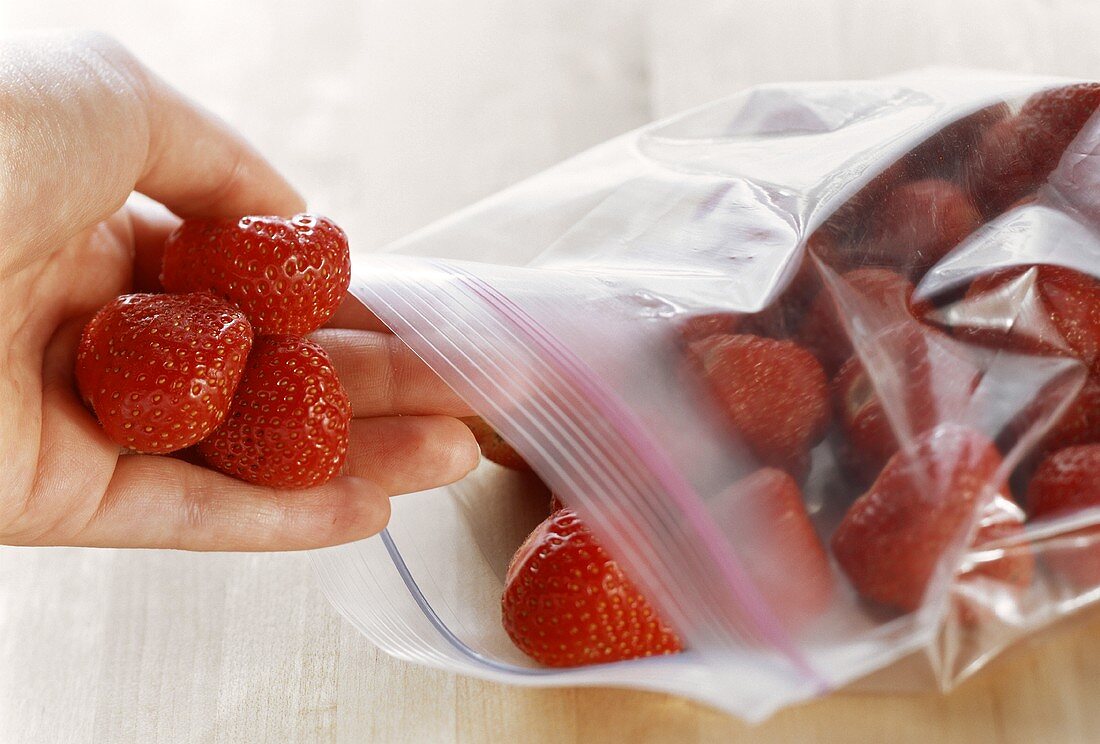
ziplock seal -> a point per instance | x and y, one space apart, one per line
632 448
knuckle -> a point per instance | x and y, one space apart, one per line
101 45
100 41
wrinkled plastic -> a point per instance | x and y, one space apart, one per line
556 309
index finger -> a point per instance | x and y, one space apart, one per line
85 124
383 377
198 166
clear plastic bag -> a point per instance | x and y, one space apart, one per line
557 309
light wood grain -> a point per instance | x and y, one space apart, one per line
388 115
119 647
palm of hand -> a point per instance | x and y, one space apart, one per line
59 465
84 125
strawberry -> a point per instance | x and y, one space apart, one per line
774 394
159 370
1041 309
493 447
887 295
1061 112
1079 424
918 224
288 275
927 382
567 603
700 325
1017 154
942 154
556 503
1016 569
868 436
885 200
848 223
892 539
1066 482
765 519
1008 561
1005 166
288 423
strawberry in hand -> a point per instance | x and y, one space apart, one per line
287 275
159 370
85 143
289 421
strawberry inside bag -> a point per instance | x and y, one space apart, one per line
793 392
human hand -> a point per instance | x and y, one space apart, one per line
83 125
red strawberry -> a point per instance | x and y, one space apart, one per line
159 370
1002 555
1003 524
1005 166
566 603
945 152
288 424
773 393
849 222
493 446
918 224
701 325
1066 482
765 519
869 439
1017 155
927 382
556 504
1080 424
1076 180
1038 310
287 275
1062 111
887 295
893 537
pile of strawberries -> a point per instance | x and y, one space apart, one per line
219 362
786 380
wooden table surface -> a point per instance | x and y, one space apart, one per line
388 115
128 646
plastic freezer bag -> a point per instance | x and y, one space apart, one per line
636 322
